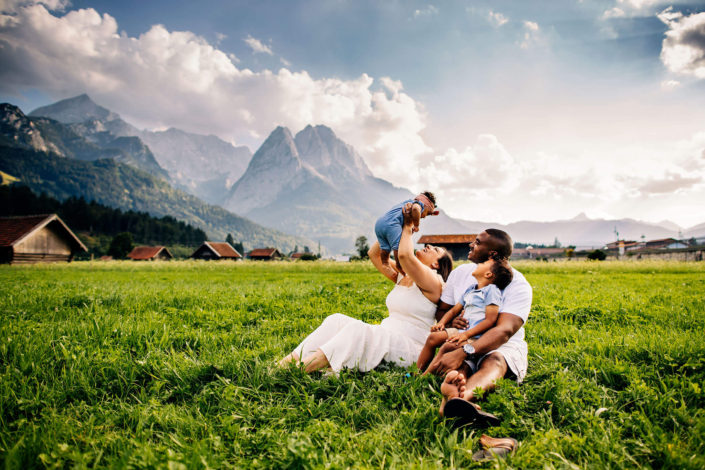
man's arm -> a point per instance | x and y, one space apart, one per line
507 325
442 309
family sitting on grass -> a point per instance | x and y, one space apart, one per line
475 313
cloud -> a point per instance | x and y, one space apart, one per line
671 182
497 19
257 46
615 12
683 49
12 6
165 78
668 85
428 11
532 35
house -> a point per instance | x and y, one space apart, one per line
264 254
150 253
296 256
457 245
664 244
216 250
37 238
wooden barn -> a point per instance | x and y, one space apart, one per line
150 253
216 250
36 239
264 254
457 245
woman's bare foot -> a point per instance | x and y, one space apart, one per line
453 386
293 357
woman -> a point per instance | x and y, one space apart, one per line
345 342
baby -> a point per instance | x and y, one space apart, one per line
388 227
480 304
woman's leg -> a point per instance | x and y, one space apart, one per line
321 335
434 339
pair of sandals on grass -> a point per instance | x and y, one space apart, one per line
464 413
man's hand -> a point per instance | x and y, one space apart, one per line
451 360
408 219
459 322
438 327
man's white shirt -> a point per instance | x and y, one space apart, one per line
516 297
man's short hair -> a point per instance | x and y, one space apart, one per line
502 242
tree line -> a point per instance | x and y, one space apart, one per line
96 219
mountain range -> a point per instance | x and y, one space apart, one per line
310 184
51 157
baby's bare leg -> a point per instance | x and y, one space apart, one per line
415 216
434 339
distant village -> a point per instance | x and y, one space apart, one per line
46 238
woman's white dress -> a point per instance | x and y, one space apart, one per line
351 343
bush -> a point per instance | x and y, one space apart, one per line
598 255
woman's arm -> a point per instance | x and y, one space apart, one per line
425 278
385 268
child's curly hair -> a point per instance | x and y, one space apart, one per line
431 197
501 272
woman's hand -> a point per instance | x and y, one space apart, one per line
438 327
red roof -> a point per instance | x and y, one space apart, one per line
296 255
441 239
14 229
146 252
268 252
224 250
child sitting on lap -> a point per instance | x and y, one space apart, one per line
480 307
388 227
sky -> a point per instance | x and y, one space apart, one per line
507 110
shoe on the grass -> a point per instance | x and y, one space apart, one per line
465 413
495 447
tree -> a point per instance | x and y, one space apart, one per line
556 243
597 255
307 249
239 248
362 247
121 245
570 252
230 239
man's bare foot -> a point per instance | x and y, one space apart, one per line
453 386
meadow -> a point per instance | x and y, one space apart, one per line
125 364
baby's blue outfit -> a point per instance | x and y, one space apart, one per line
388 227
476 300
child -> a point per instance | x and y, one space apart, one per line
481 309
388 227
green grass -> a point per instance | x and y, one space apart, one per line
170 365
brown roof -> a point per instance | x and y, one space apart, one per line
263 252
296 255
224 250
146 252
438 239
15 229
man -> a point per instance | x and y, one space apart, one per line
500 352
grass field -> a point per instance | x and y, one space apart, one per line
171 365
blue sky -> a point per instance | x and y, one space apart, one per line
508 110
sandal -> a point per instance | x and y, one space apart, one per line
466 413
494 447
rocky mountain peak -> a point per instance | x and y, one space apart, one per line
74 110
320 148
19 130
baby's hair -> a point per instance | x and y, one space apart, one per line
501 273
431 197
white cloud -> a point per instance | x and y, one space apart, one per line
668 85
428 11
638 4
532 35
257 46
497 19
177 79
683 49
615 12
12 6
